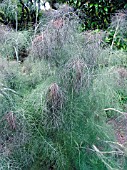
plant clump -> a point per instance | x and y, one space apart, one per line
53 37
74 75
54 105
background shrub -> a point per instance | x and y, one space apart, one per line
14 45
96 14
20 14
116 33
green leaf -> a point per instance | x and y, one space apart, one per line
96 5
125 6
75 1
91 5
107 39
79 3
106 9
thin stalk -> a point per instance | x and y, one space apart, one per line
16 29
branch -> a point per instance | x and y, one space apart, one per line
123 113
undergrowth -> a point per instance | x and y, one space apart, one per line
54 115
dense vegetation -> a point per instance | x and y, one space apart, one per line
63 93
94 14
97 13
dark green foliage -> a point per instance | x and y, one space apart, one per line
25 13
119 42
116 35
96 14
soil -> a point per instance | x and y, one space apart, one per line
120 127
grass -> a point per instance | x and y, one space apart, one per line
54 114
